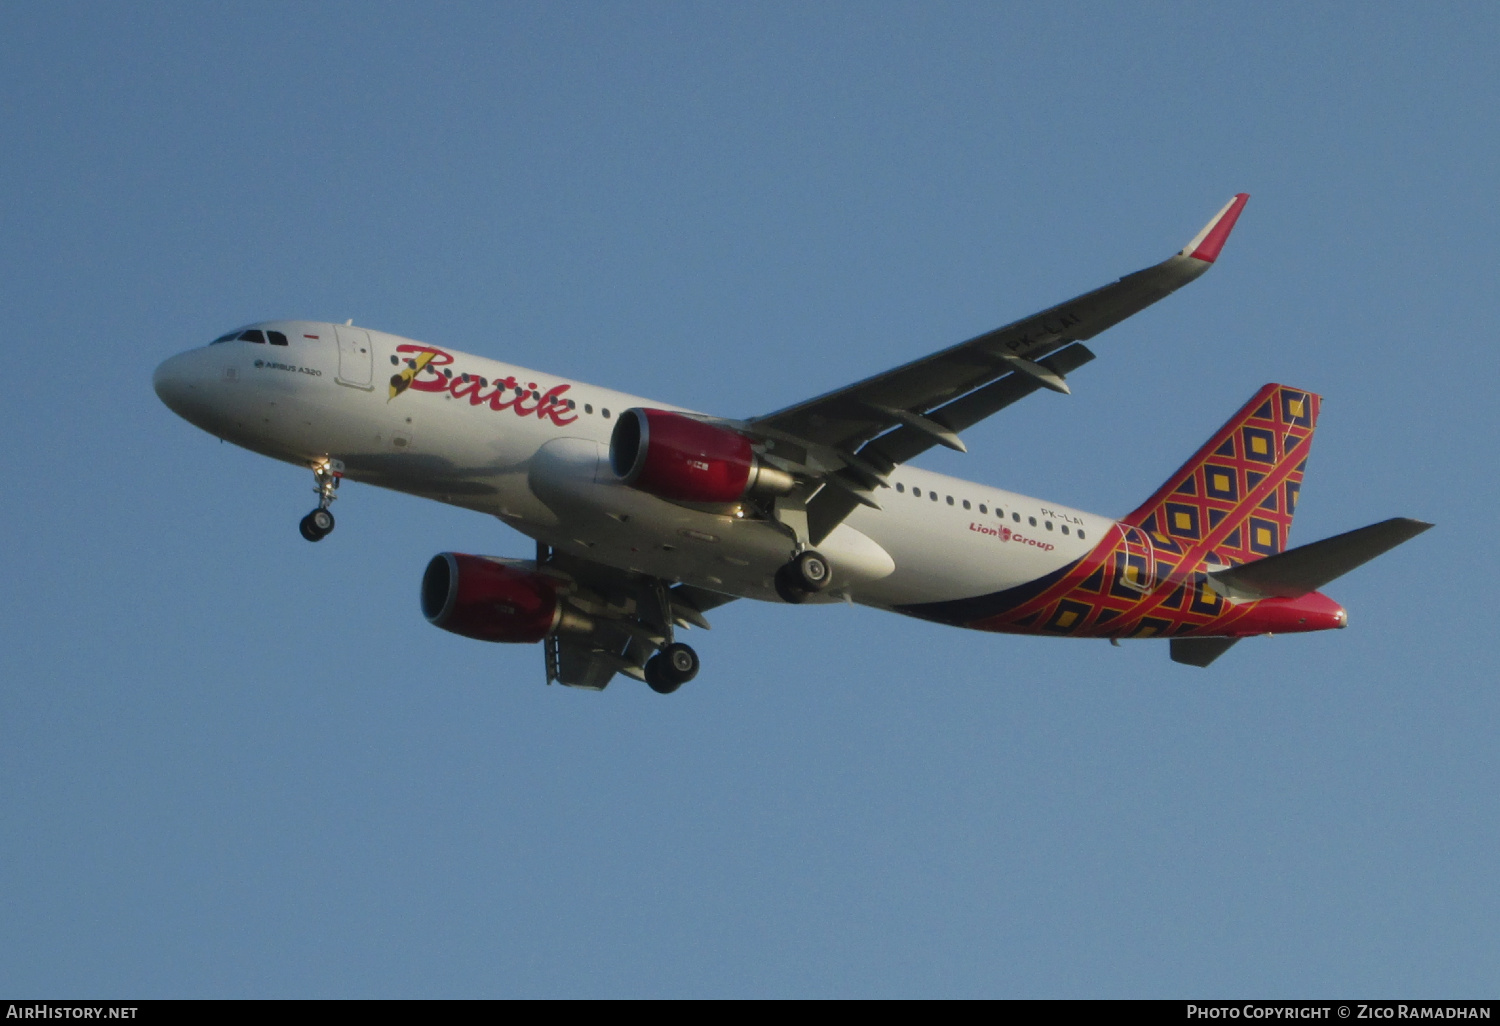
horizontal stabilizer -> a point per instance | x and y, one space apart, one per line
1307 568
1199 651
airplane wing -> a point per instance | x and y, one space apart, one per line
631 616
853 437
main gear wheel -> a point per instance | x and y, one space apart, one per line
671 668
806 575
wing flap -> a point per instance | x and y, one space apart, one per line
829 507
632 614
689 603
583 664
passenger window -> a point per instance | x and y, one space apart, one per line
604 413
253 335
966 504
1080 535
1049 525
982 509
1065 528
950 500
1030 520
917 492
1016 517
900 487
572 405
588 407
276 337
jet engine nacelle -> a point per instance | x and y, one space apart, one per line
683 459
492 599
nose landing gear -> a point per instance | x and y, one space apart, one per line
318 524
806 575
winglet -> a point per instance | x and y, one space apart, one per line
1207 243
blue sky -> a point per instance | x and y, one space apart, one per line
233 764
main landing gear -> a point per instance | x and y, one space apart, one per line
318 524
671 668
807 574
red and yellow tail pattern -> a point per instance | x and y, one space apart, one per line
1233 501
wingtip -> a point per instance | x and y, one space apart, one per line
1208 243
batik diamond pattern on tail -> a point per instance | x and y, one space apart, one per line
1253 465
1231 503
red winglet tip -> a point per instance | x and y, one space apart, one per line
1211 242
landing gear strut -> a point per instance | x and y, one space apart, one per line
318 524
671 668
807 574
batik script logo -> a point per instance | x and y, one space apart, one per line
427 370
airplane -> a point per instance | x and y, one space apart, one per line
646 516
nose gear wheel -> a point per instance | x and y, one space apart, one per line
318 524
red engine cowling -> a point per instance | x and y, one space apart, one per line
682 459
492 599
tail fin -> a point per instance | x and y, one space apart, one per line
1233 501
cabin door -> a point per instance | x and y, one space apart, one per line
356 361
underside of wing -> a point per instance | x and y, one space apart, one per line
628 618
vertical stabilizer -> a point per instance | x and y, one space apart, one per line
1233 501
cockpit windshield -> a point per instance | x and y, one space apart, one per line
276 338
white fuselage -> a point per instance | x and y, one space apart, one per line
461 434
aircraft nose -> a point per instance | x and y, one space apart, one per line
175 382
